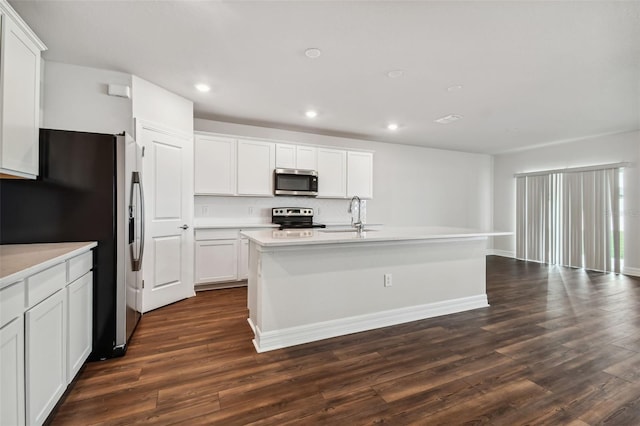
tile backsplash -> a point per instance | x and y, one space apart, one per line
258 209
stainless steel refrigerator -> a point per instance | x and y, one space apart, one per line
89 189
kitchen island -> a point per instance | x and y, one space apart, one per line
307 285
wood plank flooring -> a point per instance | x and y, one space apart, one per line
558 346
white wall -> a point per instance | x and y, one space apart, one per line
412 186
599 150
154 104
75 98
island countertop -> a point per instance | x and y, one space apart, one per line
20 260
299 237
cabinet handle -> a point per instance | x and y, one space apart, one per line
184 226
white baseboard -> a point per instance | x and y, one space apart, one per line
635 272
271 340
503 253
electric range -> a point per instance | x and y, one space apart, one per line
294 217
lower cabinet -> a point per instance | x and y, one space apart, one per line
46 356
216 261
79 321
45 338
12 373
222 256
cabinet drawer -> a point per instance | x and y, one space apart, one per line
216 234
79 265
11 302
45 283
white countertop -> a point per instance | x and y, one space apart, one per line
274 238
204 223
18 261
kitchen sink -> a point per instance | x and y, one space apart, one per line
347 230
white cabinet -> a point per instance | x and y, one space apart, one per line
306 157
285 156
296 157
227 165
12 372
215 165
79 323
46 356
360 174
12 401
332 173
256 161
222 256
216 261
19 95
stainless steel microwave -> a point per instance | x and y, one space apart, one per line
295 182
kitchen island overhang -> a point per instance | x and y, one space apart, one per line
310 285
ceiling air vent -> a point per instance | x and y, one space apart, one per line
448 119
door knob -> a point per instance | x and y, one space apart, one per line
185 226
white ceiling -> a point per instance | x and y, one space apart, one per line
533 73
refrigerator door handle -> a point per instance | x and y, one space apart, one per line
137 261
142 222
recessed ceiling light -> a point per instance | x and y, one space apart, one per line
448 119
454 88
311 113
395 73
313 52
202 87
392 126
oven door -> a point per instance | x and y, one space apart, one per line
295 182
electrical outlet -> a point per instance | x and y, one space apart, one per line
250 210
204 210
387 280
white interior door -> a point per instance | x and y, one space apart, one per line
167 175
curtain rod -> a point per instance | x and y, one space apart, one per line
576 169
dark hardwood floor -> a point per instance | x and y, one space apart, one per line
558 346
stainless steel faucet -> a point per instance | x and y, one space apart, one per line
358 225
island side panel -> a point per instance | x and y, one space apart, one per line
252 284
307 287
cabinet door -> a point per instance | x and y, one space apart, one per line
332 173
216 261
12 373
79 321
20 79
46 356
306 157
360 174
214 165
243 259
256 161
285 156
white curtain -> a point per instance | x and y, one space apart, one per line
570 218
521 217
601 220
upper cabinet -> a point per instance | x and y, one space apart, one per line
233 166
332 173
296 157
19 95
360 174
256 161
215 165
